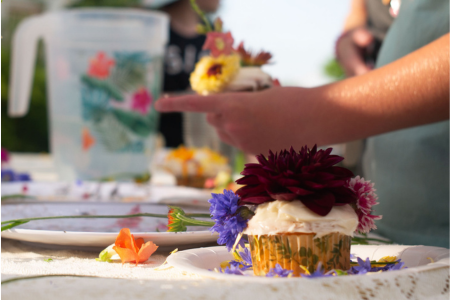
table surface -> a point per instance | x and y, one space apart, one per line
145 281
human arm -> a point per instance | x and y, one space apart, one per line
411 91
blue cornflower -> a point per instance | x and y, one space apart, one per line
278 271
362 268
232 270
226 214
319 272
223 205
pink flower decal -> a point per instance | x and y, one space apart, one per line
219 43
141 101
366 199
99 66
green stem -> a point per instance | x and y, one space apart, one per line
188 217
16 196
43 276
199 215
201 15
357 239
190 221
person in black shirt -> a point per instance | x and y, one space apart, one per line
183 51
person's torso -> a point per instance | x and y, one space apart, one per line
410 167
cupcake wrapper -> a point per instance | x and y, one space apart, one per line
293 250
192 181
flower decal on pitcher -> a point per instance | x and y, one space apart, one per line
117 96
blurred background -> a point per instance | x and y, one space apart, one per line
310 28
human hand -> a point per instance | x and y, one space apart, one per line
253 122
349 51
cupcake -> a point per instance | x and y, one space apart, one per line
305 210
194 166
291 235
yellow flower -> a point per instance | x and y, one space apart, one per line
212 74
385 259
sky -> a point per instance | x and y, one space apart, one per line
300 34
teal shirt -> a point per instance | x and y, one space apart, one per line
410 167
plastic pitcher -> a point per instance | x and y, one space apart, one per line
104 72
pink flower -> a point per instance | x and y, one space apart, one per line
141 101
5 155
99 66
219 43
366 199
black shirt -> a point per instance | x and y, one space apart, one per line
181 55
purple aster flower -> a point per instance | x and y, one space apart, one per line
278 271
228 216
232 270
390 267
319 272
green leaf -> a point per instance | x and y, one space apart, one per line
302 252
140 125
48 260
315 259
104 85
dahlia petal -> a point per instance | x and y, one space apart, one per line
255 200
248 180
288 182
284 196
251 189
299 191
345 173
314 185
318 209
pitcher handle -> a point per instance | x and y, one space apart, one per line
23 56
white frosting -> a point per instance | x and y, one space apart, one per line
250 78
293 216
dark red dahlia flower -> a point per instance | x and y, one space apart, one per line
309 176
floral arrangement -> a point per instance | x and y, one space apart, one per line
311 177
213 73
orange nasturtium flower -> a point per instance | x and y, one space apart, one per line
133 250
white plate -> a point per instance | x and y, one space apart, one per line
97 233
106 192
201 260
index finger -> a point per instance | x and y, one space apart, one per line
192 103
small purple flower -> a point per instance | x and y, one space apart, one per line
10 175
319 272
235 270
246 256
278 271
246 261
226 214
362 268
